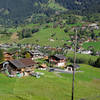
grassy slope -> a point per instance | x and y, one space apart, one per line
44 36
52 87
4 39
95 44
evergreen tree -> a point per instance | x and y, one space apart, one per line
1 55
97 63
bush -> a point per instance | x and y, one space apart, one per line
65 30
91 62
35 30
78 60
71 19
97 63
25 33
1 56
82 58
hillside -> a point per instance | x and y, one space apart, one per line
81 6
17 11
14 12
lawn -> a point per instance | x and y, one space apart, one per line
96 45
52 87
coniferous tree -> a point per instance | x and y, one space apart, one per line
1 55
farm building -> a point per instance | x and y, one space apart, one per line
58 59
36 54
70 67
22 67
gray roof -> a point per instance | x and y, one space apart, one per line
76 66
60 56
17 63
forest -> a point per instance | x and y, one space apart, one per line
14 12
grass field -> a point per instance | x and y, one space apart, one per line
96 45
44 36
52 87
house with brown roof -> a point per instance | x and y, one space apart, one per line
59 60
36 54
22 66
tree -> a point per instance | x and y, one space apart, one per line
97 63
35 30
25 33
27 55
1 55
65 30
93 51
71 19
92 34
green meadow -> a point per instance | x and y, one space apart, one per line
96 45
52 86
44 37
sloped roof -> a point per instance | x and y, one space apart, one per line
21 63
27 61
60 56
76 66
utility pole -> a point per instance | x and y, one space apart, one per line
75 47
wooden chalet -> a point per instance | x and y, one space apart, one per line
24 65
58 59
36 54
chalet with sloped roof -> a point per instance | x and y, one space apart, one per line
24 65
59 60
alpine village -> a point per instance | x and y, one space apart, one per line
49 49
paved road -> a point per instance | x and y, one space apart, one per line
62 71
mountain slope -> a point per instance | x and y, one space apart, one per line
18 10
84 6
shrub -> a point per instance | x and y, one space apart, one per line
82 58
65 30
97 63
35 30
1 56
